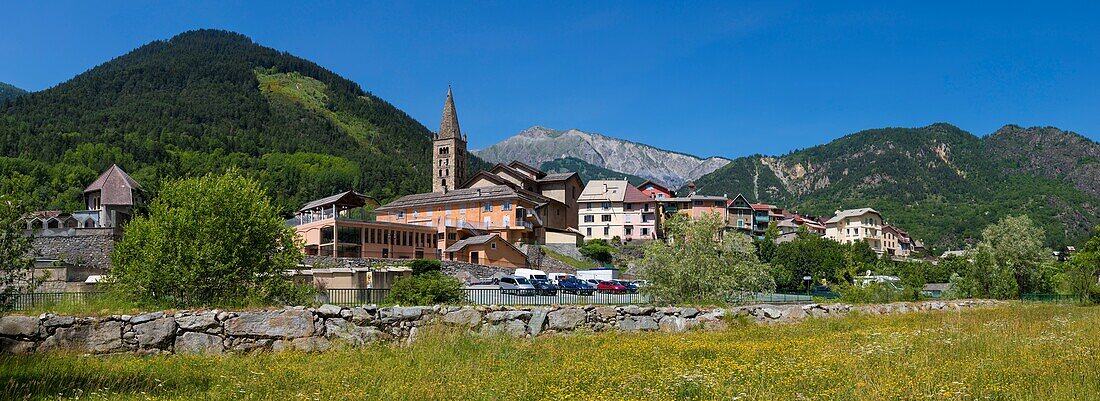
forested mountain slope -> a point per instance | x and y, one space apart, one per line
940 182
205 101
9 91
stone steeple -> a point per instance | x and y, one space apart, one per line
448 151
448 128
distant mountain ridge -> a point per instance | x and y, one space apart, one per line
9 91
940 182
587 171
537 145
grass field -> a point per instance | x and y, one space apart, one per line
1018 352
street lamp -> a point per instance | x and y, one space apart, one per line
807 279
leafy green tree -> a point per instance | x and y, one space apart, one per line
214 240
428 288
598 250
16 263
702 264
1083 270
766 247
1011 259
808 255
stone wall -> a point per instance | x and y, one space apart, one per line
83 247
319 329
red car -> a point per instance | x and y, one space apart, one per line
610 287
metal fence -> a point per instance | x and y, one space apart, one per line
36 299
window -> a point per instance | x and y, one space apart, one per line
645 231
444 150
628 206
740 223
645 218
645 207
605 218
401 214
507 205
493 245
487 207
415 212
589 231
488 221
718 203
629 231
588 205
507 221
606 231
588 218
605 205
697 203
660 196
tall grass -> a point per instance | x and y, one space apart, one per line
1018 352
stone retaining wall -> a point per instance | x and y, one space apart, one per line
318 329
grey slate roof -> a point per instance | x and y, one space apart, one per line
475 240
843 214
487 193
115 186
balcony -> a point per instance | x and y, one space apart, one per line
761 219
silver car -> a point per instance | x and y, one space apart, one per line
516 285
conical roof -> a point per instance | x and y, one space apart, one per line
115 186
448 128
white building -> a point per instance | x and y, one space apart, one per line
613 208
853 225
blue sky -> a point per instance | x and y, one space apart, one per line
724 78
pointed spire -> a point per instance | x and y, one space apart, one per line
449 127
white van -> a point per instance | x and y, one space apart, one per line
532 274
556 278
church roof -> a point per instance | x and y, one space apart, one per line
115 187
448 128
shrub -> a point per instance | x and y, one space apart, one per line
214 240
427 289
598 250
422 266
15 264
702 264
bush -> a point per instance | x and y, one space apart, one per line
430 288
214 240
598 250
15 264
422 266
702 264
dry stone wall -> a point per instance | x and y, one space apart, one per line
328 326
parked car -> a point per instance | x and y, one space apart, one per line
544 287
572 285
593 282
515 285
610 287
631 288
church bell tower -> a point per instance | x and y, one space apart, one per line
448 150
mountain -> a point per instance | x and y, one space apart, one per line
9 91
537 145
205 101
587 171
941 183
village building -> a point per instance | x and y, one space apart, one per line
615 209
896 241
514 202
487 249
740 214
853 225
656 191
339 226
